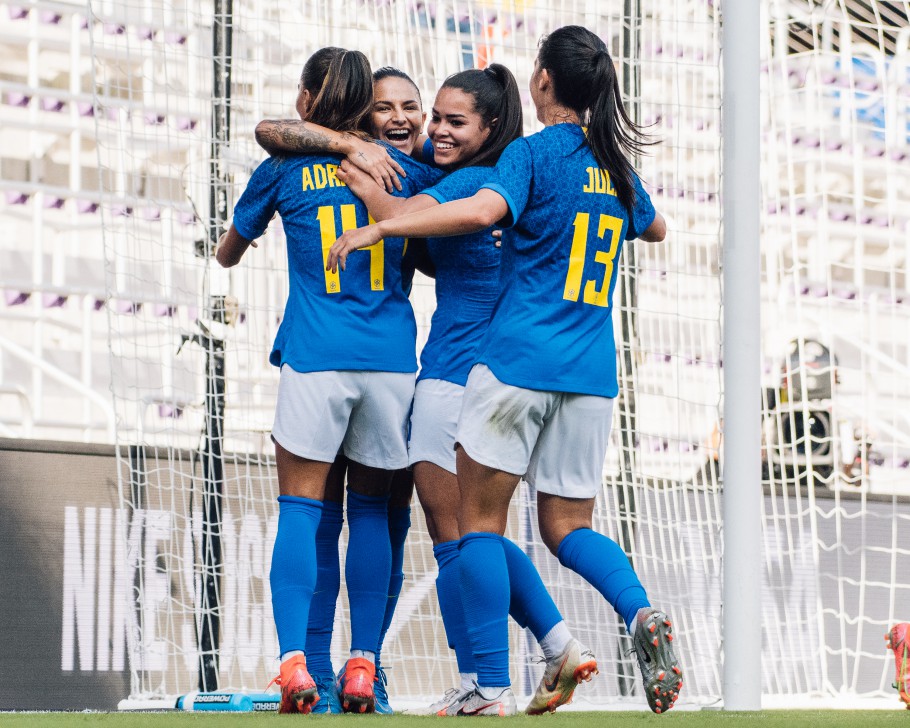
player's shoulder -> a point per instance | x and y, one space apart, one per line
556 136
405 160
470 175
280 163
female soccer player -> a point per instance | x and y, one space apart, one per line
546 374
475 116
345 348
396 118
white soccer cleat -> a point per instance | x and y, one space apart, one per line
473 703
453 695
560 678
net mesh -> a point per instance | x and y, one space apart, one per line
110 155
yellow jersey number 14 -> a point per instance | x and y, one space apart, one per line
327 215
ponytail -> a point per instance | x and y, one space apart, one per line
585 80
342 85
498 101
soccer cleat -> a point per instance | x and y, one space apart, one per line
328 694
660 671
356 686
381 692
440 706
898 639
298 689
560 678
473 703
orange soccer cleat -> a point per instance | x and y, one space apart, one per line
898 639
298 689
355 686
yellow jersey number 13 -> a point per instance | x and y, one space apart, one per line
592 294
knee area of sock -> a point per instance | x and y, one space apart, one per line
367 505
296 504
571 545
445 553
399 519
479 537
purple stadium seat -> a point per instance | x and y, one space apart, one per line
16 298
53 300
17 98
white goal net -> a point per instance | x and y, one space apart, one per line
153 106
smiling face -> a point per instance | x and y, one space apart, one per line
456 129
397 116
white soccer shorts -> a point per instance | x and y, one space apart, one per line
555 440
365 414
434 423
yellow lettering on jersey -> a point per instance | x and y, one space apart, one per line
577 256
599 182
590 186
327 230
330 173
592 294
326 217
319 177
377 263
308 181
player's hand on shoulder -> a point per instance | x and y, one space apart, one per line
376 162
353 177
497 238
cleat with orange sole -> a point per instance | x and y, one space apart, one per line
355 686
560 678
298 689
898 640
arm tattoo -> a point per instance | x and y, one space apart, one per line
291 136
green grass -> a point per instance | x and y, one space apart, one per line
610 719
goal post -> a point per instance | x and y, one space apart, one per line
742 592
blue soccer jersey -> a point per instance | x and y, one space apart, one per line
552 327
359 318
467 285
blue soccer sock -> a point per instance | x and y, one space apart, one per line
605 565
485 598
399 524
448 592
530 605
325 596
293 574
367 567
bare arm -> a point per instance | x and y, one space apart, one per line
453 218
291 136
656 231
381 204
231 247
